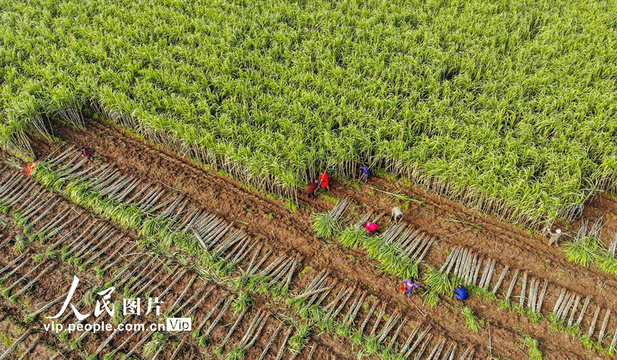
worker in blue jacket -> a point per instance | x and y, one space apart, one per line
460 293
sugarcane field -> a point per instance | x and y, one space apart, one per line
308 180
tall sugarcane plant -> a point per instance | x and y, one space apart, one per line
248 108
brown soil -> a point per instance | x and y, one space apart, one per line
57 281
446 220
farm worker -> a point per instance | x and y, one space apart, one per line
311 190
325 182
87 152
372 227
409 285
554 237
365 173
28 169
576 212
460 293
397 214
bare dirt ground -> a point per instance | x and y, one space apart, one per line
446 220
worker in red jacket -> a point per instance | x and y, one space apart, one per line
311 190
372 228
325 182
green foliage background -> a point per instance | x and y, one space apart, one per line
511 100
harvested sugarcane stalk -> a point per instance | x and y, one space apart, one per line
272 338
540 297
18 267
562 295
24 277
127 341
451 353
565 306
138 345
583 310
456 253
574 307
233 328
10 349
397 333
614 342
109 338
186 289
382 311
368 316
523 289
208 316
387 328
312 352
423 347
311 293
178 349
17 259
501 278
476 272
44 308
422 335
512 284
259 330
203 298
414 331
592 326
437 350
176 279
607 316
342 305
31 283
279 354
533 295
30 348
195 295
216 320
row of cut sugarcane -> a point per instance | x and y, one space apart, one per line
207 243
164 219
465 266
346 313
142 267
30 349
88 237
399 250
568 313
212 231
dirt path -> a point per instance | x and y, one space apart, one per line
286 230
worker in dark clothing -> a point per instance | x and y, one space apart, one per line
87 152
576 212
365 173
311 190
460 293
